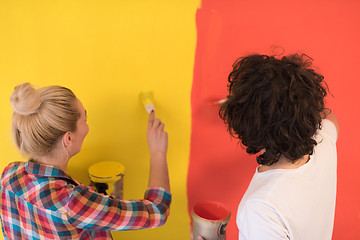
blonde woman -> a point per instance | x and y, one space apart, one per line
39 200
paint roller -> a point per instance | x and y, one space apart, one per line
147 98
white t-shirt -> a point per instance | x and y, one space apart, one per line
296 204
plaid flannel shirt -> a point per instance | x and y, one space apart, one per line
42 202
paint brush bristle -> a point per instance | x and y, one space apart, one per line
147 98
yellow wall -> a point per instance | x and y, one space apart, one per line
107 52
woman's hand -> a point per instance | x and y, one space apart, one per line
156 136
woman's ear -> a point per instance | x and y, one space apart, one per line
67 139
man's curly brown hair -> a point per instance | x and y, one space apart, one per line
274 104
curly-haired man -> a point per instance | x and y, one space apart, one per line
276 109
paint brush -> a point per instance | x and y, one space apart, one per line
147 98
218 102
221 101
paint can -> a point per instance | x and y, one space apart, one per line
210 219
107 177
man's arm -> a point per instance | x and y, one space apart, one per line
260 220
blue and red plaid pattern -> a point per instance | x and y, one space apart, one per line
42 202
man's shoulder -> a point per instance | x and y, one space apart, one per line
327 131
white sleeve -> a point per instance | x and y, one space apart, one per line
257 220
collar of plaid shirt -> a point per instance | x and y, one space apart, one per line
43 170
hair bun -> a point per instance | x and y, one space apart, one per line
25 100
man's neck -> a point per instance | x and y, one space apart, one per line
285 163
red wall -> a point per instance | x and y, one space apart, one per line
328 31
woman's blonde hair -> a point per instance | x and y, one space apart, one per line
41 116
